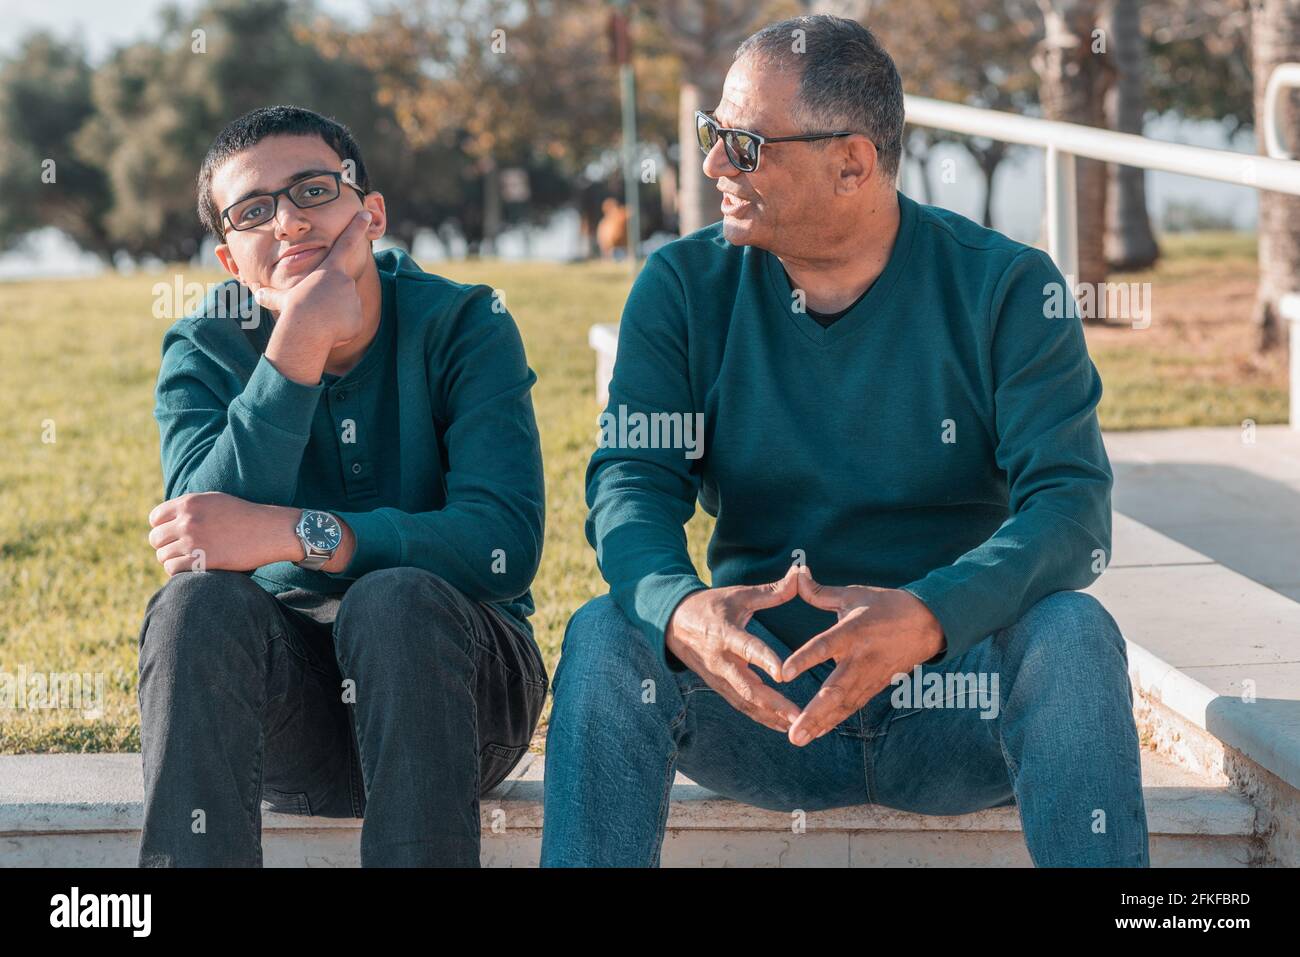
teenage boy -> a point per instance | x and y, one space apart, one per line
361 440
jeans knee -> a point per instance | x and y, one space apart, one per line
208 590
605 658
410 607
403 594
192 601
198 617
1069 631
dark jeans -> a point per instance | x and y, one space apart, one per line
401 703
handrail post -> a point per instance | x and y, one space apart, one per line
1289 308
1062 214
1284 76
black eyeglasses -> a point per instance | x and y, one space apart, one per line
315 190
743 147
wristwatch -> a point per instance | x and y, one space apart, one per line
320 534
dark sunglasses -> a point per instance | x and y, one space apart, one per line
304 193
743 147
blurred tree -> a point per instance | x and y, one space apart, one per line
1130 243
704 34
1199 60
982 63
442 96
160 103
1074 71
919 143
1275 39
501 84
44 100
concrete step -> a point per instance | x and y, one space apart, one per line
1214 655
59 810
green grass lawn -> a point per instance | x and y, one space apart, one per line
1195 364
76 572
75 569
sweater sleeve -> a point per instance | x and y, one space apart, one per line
486 540
214 438
1057 536
640 498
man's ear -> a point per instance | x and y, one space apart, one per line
378 213
860 161
227 260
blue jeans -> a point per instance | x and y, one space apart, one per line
400 702
1055 736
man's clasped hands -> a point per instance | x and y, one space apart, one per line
880 632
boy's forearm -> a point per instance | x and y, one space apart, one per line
284 521
298 351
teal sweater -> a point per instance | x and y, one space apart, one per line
427 448
941 437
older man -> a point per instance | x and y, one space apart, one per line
902 452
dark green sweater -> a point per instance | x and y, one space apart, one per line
941 437
427 448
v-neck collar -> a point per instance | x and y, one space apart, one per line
879 291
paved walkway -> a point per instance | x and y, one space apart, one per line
1236 502
1209 581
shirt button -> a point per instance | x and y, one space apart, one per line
341 396
356 468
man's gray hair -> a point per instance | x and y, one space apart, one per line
848 81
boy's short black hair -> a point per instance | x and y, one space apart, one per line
257 125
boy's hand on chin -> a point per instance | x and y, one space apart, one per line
320 313
325 302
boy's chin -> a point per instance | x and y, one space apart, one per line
287 279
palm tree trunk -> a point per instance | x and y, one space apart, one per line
697 198
1073 80
1275 38
705 34
988 159
1130 243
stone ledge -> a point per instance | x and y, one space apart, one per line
54 793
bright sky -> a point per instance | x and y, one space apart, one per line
102 25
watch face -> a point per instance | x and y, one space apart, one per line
321 531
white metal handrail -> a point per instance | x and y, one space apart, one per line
1243 169
1279 171
1064 141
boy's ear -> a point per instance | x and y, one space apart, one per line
227 260
374 202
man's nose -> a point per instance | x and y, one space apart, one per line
716 163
